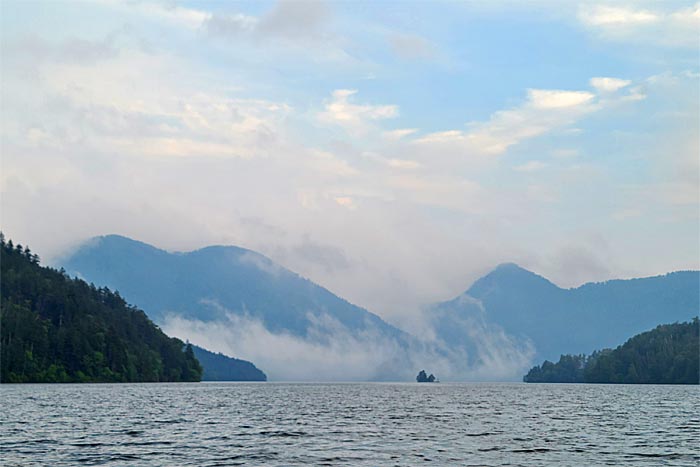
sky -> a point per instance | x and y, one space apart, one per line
391 152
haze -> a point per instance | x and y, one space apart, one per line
392 153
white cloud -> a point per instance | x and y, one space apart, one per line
357 118
486 352
403 164
451 192
658 27
555 99
328 164
394 163
395 135
189 18
543 111
441 137
635 94
125 105
581 259
609 84
331 352
603 15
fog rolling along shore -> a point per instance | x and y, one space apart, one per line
349 233
241 303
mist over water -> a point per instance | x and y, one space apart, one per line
358 424
332 352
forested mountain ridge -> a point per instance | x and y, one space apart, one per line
668 354
58 329
220 367
504 320
570 321
209 283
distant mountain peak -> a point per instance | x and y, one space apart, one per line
509 276
557 320
115 240
510 267
508 264
242 281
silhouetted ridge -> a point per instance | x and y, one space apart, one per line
209 283
527 306
508 277
220 367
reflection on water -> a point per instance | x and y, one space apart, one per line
365 424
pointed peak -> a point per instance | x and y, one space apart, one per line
508 276
511 270
510 267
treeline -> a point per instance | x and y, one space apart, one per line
219 367
57 329
668 354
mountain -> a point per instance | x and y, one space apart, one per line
209 283
668 354
528 307
241 302
219 367
58 329
247 305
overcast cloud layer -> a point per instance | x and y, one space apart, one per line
391 153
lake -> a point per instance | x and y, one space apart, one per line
363 424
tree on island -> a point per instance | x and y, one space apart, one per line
424 378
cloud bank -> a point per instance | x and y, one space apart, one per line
389 159
330 352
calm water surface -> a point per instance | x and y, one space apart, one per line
349 424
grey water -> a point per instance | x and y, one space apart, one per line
363 424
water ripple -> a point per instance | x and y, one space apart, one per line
275 424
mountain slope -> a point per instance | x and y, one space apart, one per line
209 283
245 304
668 354
556 321
58 329
219 367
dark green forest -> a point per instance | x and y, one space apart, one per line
57 329
668 354
219 367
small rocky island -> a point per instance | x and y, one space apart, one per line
424 378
